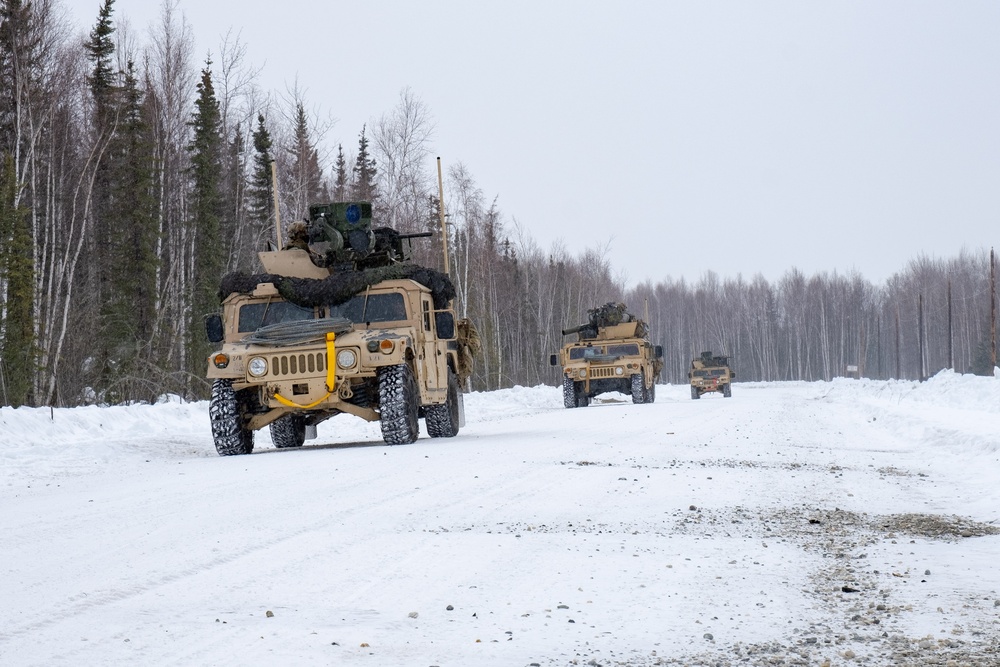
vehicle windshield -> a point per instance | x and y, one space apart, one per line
585 352
623 350
253 316
716 372
701 374
383 307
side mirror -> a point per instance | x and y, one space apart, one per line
689 375
658 350
732 374
213 328
553 360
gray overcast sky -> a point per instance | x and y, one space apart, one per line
820 135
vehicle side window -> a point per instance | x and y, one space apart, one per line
253 316
444 321
427 314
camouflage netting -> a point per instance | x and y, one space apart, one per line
339 287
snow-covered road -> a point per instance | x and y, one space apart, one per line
849 522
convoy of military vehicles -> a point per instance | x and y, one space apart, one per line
340 321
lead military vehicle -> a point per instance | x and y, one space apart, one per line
612 353
711 373
339 322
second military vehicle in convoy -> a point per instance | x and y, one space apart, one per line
612 353
711 373
339 322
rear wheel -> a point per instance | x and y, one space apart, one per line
226 411
288 431
397 393
651 393
582 399
442 420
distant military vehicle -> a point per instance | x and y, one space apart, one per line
711 373
612 353
340 322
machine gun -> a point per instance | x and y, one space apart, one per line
585 331
340 237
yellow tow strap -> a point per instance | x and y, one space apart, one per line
331 376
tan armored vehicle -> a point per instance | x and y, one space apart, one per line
711 373
339 324
612 353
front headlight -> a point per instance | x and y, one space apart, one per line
346 358
257 366
583 372
619 370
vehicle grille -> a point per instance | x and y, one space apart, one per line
285 365
602 372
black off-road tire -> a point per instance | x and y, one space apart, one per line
651 393
569 393
398 405
229 429
443 420
727 390
639 387
694 393
288 431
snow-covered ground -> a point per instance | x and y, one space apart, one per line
838 523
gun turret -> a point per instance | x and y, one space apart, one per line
341 237
342 230
605 319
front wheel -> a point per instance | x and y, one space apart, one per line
397 394
229 429
569 393
288 431
727 391
443 420
694 393
639 387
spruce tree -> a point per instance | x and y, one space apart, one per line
101 51
341 184
17 346
19 46
305 164
106 221
206 215
260 200
127 308
364 172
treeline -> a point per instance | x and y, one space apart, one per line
133 177
932 315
